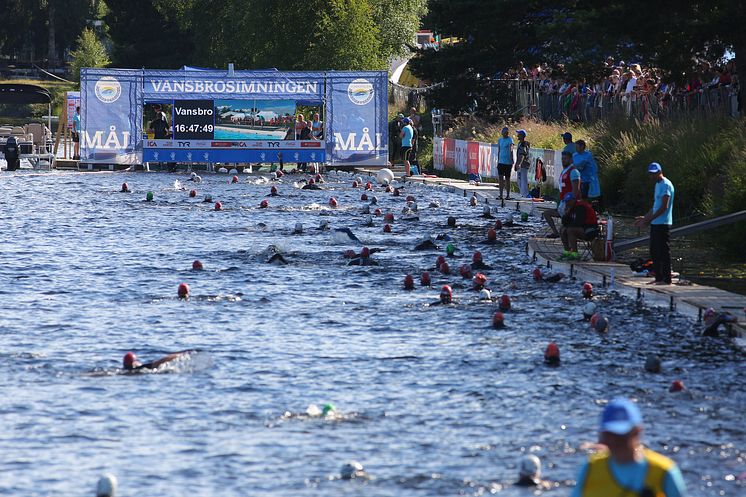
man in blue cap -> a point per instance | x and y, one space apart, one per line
627 468
569 144
660 219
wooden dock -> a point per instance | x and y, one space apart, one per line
689 299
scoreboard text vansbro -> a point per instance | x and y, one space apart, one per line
194 120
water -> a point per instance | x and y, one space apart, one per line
433 401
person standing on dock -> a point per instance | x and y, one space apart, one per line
590 187
504 162
407 137
660 219
522 162
76 133
627 468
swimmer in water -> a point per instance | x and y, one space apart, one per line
364 258
427 244
311 185
446 296
529 473
131 364
478 263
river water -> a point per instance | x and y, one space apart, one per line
432 400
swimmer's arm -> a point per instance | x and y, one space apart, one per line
577 491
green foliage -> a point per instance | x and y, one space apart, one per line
397 22
90 52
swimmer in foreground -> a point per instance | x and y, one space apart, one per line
106 486
626 467
131 364
529 472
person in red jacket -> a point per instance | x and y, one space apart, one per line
578 223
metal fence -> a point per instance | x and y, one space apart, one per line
721 101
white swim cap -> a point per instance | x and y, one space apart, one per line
107 486
529 466
233 171
589 309
352 469
222 170
193 175
485 294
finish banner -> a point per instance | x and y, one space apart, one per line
238 116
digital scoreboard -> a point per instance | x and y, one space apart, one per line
194 120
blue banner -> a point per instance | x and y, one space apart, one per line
188 83
354 108
231 155
111 116
357 113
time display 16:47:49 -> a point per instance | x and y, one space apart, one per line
193 128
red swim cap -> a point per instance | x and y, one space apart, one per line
498 225
440 260
197 266
537 274
389 218
498 320
446 294
354 184
365 252
234 179
594 319
264 204
504 303
465 271
491 234
587 290
377 212
410 198
444 268
408 282
479 280
218 206
193 193
279 173
311 181
425 279
333 202
273 190
368 186
125 187
676 386
183 291
388 189
477 257
396 192
387 228
129 360
552 351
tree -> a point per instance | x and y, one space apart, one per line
398 21
89 53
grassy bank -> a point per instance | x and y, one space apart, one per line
705 159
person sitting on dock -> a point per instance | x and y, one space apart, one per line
578 223
569 183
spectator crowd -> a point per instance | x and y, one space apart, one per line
641 92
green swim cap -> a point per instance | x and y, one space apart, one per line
450 249
149 196
327 409
524 216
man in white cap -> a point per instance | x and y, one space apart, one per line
627 468
660 219
107 486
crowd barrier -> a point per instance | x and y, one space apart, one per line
469 157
